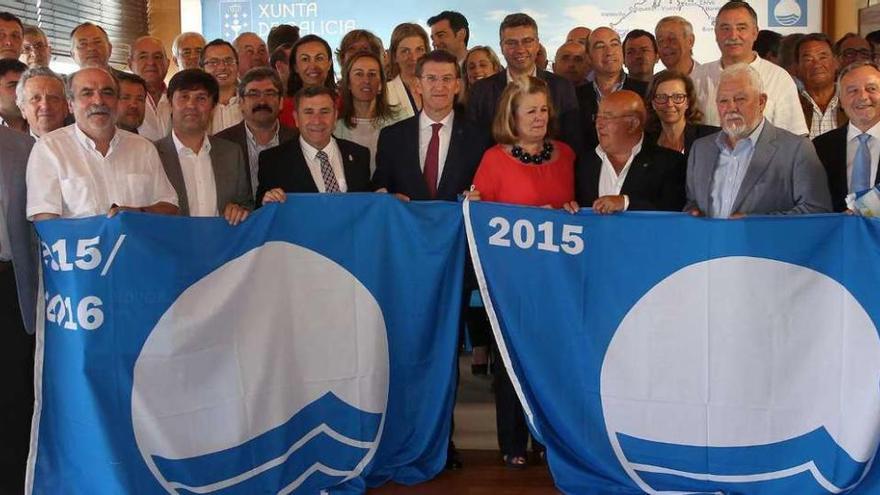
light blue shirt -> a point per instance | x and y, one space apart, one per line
730 171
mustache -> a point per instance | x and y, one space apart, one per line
265 107
97 110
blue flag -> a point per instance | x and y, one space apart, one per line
311 347
662 353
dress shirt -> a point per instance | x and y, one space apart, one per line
225 116
254 150
198 178
852 144
783 107
445 135
617 86
822 122
730 171
511 77
68 176
335 158
157 118
610 182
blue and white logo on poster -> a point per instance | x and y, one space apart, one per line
787 13
236 17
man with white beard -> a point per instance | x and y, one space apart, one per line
752 167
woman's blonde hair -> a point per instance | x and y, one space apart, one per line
504 125
400 33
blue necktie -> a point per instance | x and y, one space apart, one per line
861 171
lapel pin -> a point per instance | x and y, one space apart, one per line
350 158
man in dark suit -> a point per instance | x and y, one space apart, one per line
260 92
406 162
850 165
606 54
625 171
519 46
208 174
18 297
316 162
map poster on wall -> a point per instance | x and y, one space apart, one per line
331 19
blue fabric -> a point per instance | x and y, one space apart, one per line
861 170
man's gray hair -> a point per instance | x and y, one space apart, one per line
71 77
738 70
851 67
36 72
181 36
681 21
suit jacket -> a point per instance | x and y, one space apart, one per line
230 173
655 180
589 107
398 164
238 135
15 147
285 166
482 104
784 177
831 148
692 132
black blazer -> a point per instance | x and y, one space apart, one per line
692 132
483 102
655 181
398 164
831 148
285 166
589 107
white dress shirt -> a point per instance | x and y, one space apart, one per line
68 176
225 116
783 107
852 144
610 182
335 158
198 178
157 118
445 135
254 150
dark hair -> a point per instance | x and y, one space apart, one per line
819 37
384 111
216 42
639 33
517 20
260 74
873 37
129 77
295 83
354 36
87 24
278 54
280 35
457 22
738 4
312 91
839 43
191 79
71 78
10 17
692 115
767 43
8 65
440 57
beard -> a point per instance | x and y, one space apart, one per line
736 126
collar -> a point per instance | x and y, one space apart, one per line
721 139
852 131
310 151
89 143
425 121
633 152
754 63
250 135
832 103
180 147
510 76
616 87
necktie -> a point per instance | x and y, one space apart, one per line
432 159
861 171
330 184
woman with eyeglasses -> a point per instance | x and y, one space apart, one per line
674 122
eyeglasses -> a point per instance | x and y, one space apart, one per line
214 62
445 80
677 98
513 44
269 93
862 53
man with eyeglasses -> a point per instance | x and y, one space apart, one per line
852 48
209 174
220 59
252 52
149 61
260 92
186 50
35 50
736 29
519 46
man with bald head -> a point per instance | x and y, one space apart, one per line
752 167
625 172
186 49
571 62
606 53
580 35
675 38
252 52
149 60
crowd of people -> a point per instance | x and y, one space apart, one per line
777 125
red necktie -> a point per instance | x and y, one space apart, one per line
432 160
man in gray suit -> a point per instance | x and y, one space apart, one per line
209 174
752 167
18 296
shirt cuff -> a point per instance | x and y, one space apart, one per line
625 202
